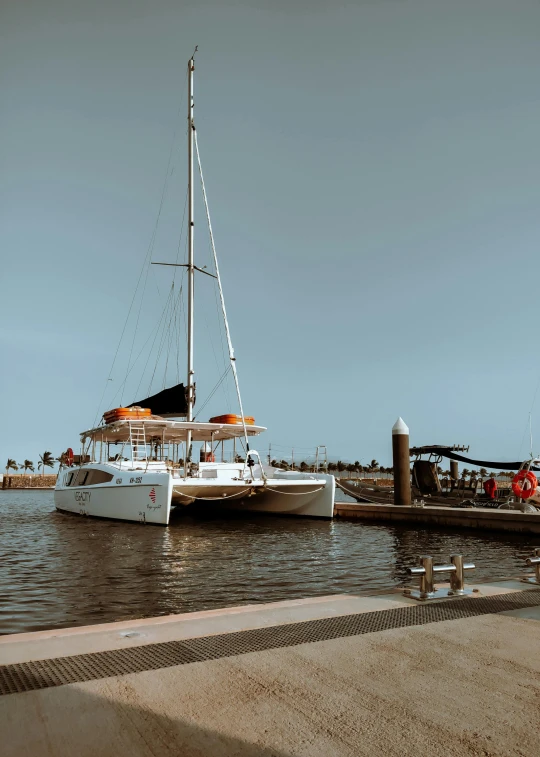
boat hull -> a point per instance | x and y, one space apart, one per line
301 496
147 497
146 500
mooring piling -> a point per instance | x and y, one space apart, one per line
402 465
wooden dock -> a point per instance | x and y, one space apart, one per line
484 518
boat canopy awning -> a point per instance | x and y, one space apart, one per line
452 455
168 431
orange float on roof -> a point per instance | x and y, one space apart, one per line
126 413
233 420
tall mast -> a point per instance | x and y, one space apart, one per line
190 267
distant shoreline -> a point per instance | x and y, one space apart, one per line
25 481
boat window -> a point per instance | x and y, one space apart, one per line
90 477
100 477
68 478
78 477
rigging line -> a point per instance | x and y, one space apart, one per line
170 335
135 331
168 341
212 343
178 323
165 337
183 306
159 334
175 341
156 332
162 338
214 390
221 341
229 341
150 248
152 332
530 416
169 174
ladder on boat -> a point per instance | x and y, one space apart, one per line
137 439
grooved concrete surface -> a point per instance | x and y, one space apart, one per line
462 687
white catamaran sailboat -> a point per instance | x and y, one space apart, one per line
152 469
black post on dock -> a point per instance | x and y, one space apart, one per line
454 470
402 465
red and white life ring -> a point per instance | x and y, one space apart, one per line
528 487
68 457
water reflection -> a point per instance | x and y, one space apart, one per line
62 570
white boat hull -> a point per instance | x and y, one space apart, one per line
147 497
311 497
143 497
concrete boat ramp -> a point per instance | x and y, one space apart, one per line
338 675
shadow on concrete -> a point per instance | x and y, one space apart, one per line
71 720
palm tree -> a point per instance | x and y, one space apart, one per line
46 460
373 466
11 465
465 472
483 472
27 465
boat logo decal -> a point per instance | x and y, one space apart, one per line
152 495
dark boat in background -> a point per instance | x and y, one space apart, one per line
429 488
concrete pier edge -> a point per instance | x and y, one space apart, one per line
420 685
429 515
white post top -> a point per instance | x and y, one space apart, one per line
400 427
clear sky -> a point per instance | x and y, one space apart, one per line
373 173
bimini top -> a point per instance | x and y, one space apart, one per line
169 431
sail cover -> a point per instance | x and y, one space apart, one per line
169 402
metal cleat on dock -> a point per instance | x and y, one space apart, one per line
535 579
426 570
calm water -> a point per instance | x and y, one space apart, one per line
62 570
